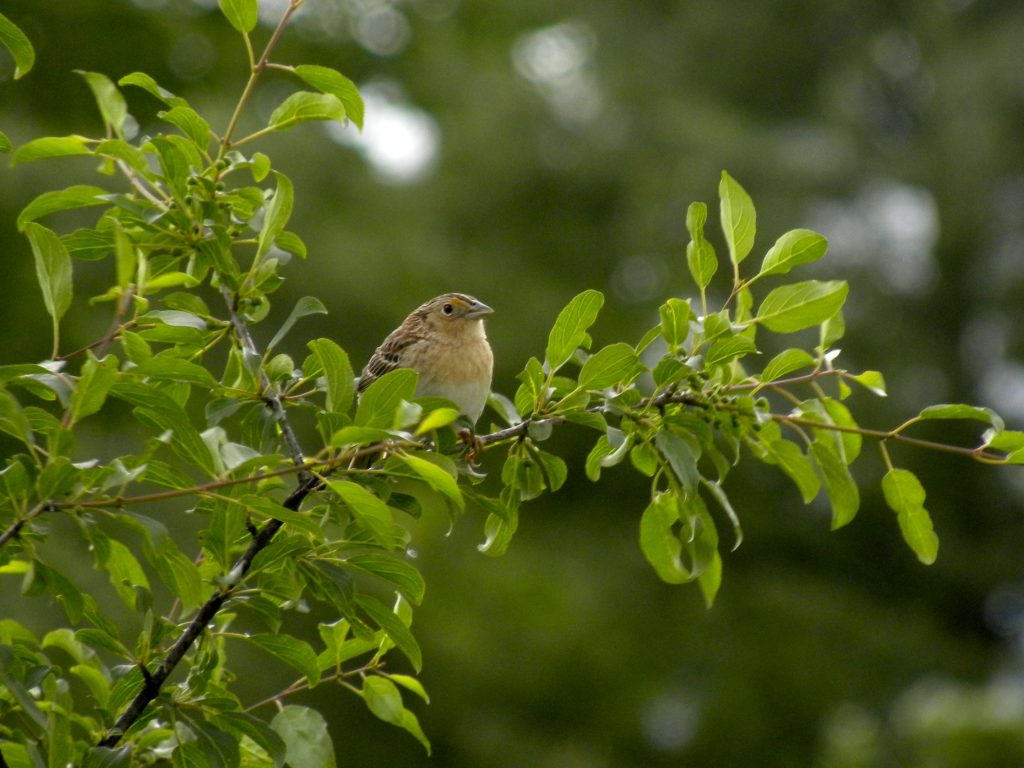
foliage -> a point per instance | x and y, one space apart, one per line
193 221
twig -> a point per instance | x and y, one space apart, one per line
271 396
206 614
15 528
154 681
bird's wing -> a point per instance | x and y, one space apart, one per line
388 356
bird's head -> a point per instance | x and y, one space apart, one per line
454 313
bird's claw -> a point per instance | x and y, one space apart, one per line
474 446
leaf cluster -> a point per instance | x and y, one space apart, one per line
192 228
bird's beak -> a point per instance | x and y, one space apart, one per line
478 309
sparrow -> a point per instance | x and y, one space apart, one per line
444 341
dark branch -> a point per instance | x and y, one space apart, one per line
271 396
205 615
154 682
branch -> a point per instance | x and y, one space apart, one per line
520 430
271 396
15 528
257 69
206 614
154 682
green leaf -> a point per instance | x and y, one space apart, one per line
296 653
289 241
360 436
738 218
532 392
727 348
958 411
905 496
125 256
170 280
609 450
164 368
788 457
786 362
681 456
277 215
614 364
372 513
410 684
796 247
384 700
333 82
872 380
190 123
710 580
175 570
501 523
848 441
148 84
78 196
1008 440
51 146
839 484
306 105
436 477
700 255
118 561
260 166
108 98
241 14
105 757
5 143
269 507
57 478
675 322
161 411
308 743
17 691
645 459
555 469
801 305
393 570
379 404
53 268
307 305
393 626
93 384
570 329
15 41
716 490
661 545
243 724
337 370
437 418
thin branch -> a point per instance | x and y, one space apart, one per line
271 396
206 614
814 375
15 528
137 184
302 684
154 682
254 74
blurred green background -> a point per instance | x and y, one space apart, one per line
523 150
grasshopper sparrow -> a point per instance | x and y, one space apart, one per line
444 342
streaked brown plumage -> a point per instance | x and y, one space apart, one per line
444 341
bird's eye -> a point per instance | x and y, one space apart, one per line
447 309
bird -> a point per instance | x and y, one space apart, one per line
444 341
